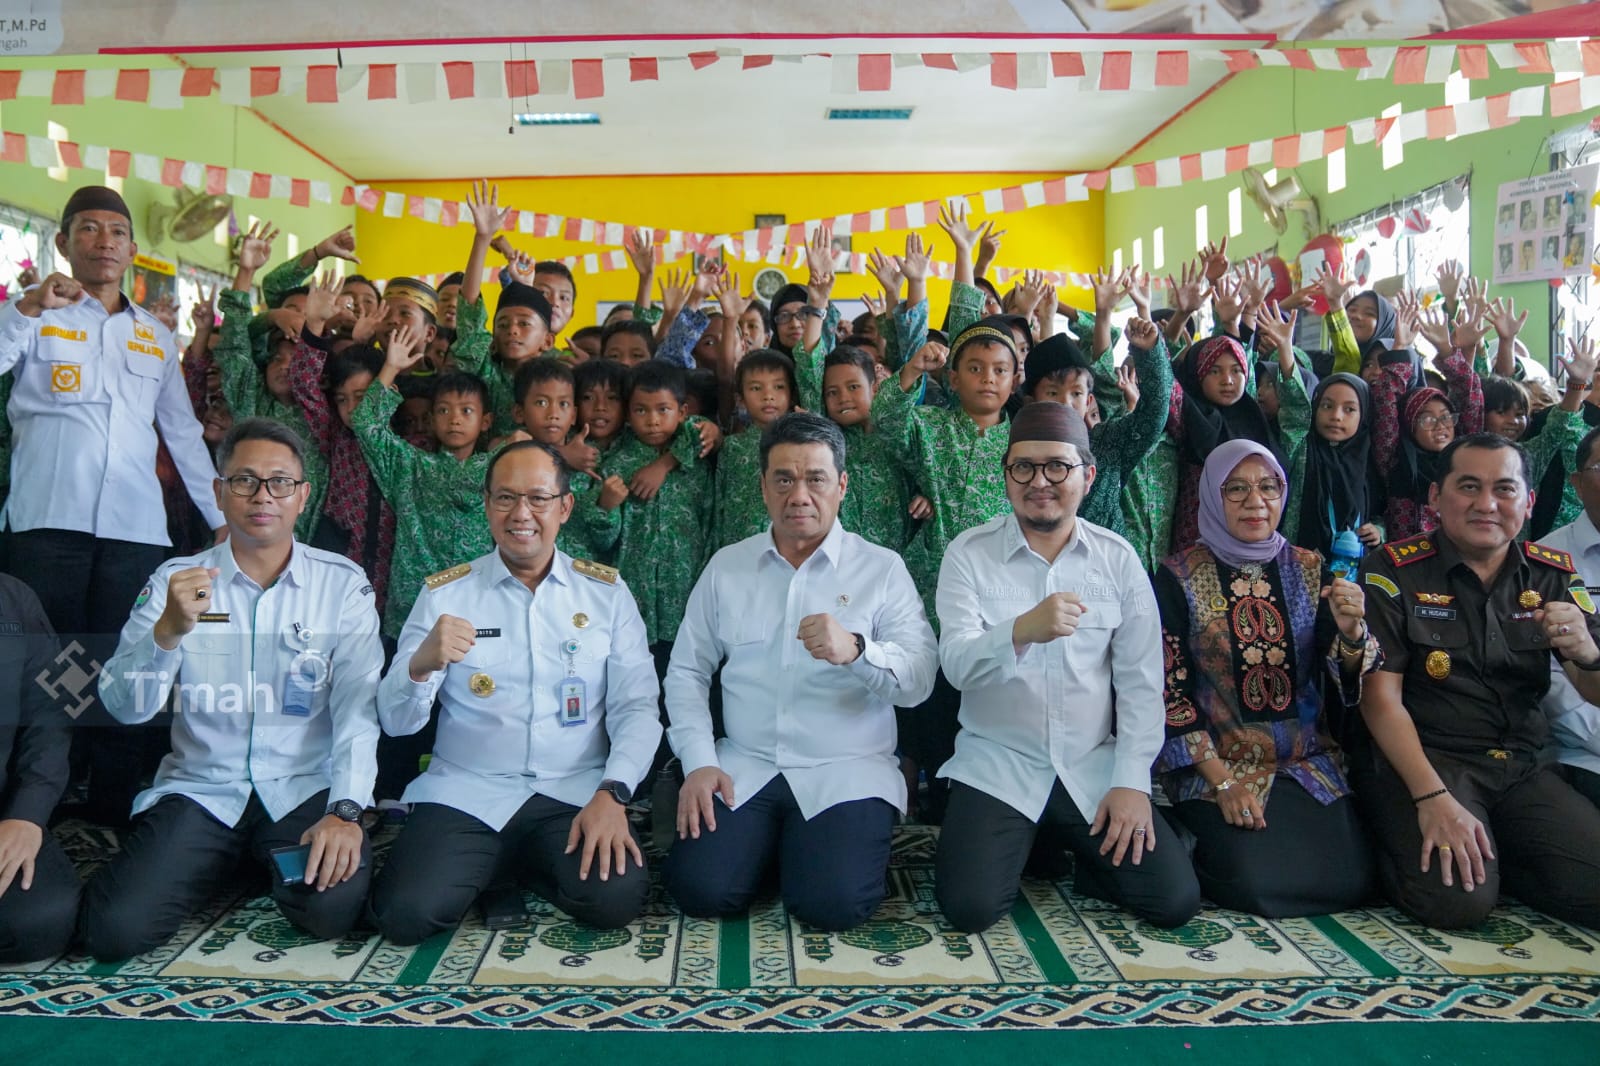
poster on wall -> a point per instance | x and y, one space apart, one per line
153 278
1544 226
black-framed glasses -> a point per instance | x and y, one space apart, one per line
1239 491
538 502
783 318
247 485
1429 421
1056 471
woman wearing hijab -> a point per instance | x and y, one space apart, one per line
1250 638
1335 487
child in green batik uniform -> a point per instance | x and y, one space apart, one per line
251 391
437 497
546 409
666 519
765 382
878 504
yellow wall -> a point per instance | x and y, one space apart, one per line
1063 237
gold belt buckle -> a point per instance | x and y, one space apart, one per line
1498 753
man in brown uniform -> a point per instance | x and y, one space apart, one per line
1468 618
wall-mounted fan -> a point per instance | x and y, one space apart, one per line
1276 201
192 215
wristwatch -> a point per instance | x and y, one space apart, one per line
619 792
861 645
812 312
345 810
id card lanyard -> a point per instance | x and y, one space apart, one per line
572 693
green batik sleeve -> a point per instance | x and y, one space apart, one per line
1294 411
909 330
685 444
808 363
1084 324
895 423
282 278
470 349
1131 435
393 461
235 355
893 358
1559 437
597 525
1342 340
648 315
966 307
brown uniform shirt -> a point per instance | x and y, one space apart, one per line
1474 660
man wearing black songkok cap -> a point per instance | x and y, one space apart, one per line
96 378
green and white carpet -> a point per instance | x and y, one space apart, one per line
1060 961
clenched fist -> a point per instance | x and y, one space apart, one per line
447 642
188 597
1057 615
57 291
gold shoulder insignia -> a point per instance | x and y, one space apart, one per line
1550 557
444 577
1414 550
597 571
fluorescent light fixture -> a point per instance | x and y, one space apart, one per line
892 114
558 118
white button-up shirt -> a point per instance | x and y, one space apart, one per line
496 749
1574 721
90 390
1046 713
829 730
239 726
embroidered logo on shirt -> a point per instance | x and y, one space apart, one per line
145 348
1381 582
144 333
1436 599
79 335
66 377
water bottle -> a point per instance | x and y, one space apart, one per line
1345 557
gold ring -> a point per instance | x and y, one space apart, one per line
1445 847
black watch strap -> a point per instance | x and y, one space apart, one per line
861 645
619 791
345 810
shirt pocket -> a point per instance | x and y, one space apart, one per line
65 371
144 372
1437 633
749 626
305 657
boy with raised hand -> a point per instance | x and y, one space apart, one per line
665 532
956 457
252 391
437 497
546 409
523 325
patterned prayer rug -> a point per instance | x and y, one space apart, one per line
1061 961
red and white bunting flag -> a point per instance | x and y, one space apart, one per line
382 82
588 79
1535 58
1116 70
133 86
522 78
1474 60
197 82
1353 58
458 80
1003 70
875 73
68 88
1066 64
644 68
322 84
1172 69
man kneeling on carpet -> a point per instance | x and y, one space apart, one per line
548 720
819 634
273 650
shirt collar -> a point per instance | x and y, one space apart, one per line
228 567
1016 541
495 570
1586 538
831 548
1515 562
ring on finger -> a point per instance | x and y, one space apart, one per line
1565 629
201 594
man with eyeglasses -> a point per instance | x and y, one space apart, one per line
1574 721
1046 620
1473 623
548 721
819 634
267 651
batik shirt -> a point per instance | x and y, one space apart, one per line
437 501
1121 443
591 531
876 503
245 389
957 466
740 510
662 543
1246 651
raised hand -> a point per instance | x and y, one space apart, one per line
1225 300
1407 312
733 305
1277 330
675 289
321 301
876 305
819 263
1190 292
340 245
366 326
1450 273
1128 383
188 597
405 348
1505 320
1579 362
446 643
1471 325
1108 289
520 266
954 222
1137 284
1215 258
204 312
930 358
1141 333
255 247
1336 287
483 202
917 260
988 245
705 282
641 253
166 311
887 269
1435 328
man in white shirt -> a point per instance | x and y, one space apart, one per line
1574 721
96 377
819 634
548 721
273 650
1050 631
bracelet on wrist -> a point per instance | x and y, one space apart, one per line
1417 800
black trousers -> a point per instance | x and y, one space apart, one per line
928 738
444 858
831 868
1310 859
177 856
1585 782
87 585
1546 840
985 843
38 924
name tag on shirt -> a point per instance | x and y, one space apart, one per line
1435 614
297 694
482 633
214 616
573 694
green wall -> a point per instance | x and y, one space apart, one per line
205 131
1273 102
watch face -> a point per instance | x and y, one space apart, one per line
622 793
349 810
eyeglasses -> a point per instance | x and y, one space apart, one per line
1429 421
1239 491
247 485
538 502
1056 471
783 318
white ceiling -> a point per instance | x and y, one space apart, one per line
723 119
